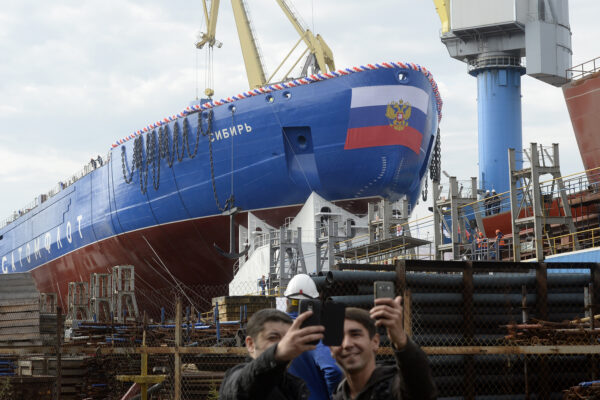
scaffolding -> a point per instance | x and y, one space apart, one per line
100 297
78 301
285 256
532 210
48 302
389 235
455 205
328 240
123 293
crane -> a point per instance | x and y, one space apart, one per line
320 56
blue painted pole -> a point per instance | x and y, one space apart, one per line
217 322
500 125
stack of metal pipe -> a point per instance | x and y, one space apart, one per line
449 311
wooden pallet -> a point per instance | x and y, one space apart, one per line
230 306
21 323
73 372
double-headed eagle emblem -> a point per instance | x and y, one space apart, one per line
398 113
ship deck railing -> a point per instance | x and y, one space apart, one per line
584 70
61 185
384 247
586 239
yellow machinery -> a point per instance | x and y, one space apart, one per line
319 54
443 9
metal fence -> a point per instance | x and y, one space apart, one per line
491 330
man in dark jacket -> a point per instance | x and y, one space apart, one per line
410 378
272 340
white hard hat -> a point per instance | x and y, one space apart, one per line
487 191
301 286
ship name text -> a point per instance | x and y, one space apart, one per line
41 246
233 130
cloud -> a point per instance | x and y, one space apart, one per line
27 171
78 76
6 110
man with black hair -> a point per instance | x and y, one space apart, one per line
410 378
272 340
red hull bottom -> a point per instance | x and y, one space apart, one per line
163 256
166 258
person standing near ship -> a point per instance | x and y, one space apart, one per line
486 203
481 246
262 283
494 203
499 244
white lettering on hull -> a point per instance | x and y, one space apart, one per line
69 238
232 131
37 247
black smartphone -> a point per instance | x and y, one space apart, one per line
315 318
315 307
333 319
384 289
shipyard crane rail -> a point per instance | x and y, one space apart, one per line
320 56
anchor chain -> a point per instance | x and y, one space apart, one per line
164 146
435 166
436 160
212 165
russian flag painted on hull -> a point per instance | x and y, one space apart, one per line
387 115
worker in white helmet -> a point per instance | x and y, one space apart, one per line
487 203
300 287
316 367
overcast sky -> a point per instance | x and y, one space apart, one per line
76 76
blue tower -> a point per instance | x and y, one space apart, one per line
493 37
499 117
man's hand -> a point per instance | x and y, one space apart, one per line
297 340
388 313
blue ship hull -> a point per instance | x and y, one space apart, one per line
159 197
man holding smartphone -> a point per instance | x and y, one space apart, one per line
273 340
316 367
410 378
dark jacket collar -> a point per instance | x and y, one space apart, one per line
381 372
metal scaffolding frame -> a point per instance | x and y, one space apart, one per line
526 202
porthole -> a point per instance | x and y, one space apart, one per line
301 141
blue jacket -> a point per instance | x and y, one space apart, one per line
318 370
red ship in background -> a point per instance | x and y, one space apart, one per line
582 96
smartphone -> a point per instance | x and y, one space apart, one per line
332 318
315 318
384 289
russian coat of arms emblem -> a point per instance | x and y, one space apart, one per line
398 112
